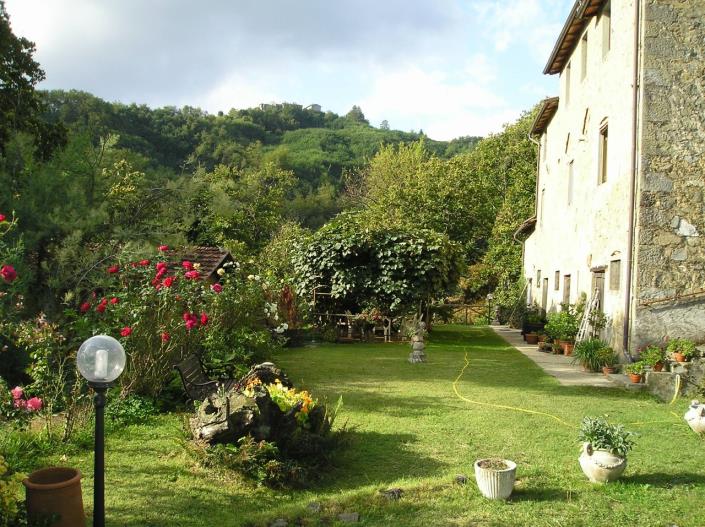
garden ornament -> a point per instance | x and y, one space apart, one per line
695 417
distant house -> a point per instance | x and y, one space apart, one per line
210 259
621 171
314 107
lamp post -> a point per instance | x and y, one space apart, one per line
101 360
490 296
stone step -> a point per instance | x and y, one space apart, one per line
624 382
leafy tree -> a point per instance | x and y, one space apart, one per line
392 268
355 115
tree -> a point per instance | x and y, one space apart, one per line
391 268
355 115
384 125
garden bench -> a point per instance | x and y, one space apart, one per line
197 384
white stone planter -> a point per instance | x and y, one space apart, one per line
601 466
495 484
695 417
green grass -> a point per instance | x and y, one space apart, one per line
408 429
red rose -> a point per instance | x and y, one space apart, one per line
114 269
85 307
163 248
2 218
169 281
161 265
114 300
8 273
144 263
192 275
166 337
161 272
100 308
126 331
187 265
217 288
204 319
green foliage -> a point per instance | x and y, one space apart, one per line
390 268
683 346
564 324
11 492
590 353
129 410
637 368
606 356
605 436
652 355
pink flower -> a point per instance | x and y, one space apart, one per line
100 308
187 265
204 319
113 269
192 275
163 248
20 403
126 331
2 218
114 300
85 307
169 281
34 404
166 337
161 272
191 320
8 273
17 392
161 265
190 324
144 263
217 288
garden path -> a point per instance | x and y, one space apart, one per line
558 366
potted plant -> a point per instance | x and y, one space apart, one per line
495 477
636 370
653 356
606 357
587 354
563 326
681 349
532 322
605 447
557 348
531 338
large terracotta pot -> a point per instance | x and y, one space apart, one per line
679 357
532 338
55 491
495 484
567 347
635 378
601 466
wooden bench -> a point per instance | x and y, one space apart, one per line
197 384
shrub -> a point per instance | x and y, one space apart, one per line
563 325
587 353
636 368
605 436
11 493
130 410
606 356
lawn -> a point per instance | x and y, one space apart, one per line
409 429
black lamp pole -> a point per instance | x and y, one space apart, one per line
99 454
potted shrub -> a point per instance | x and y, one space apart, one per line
533 321
681 349
495 477
563 326
605 447
636 370
653 356
587 354
606 357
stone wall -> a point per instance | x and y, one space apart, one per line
670 246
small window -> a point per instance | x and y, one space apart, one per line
529 293
615 273
586 121
543 195
566 289
557 282
567 142
602 155
571 179
583 56
567 84
606 22
538 278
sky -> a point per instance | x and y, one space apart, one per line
448 67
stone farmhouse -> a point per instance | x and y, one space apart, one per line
621 170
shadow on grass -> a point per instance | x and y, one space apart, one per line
662 480
539 494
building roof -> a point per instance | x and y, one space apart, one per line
579 17
526 228
210 258
543 118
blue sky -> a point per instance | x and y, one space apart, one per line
448 67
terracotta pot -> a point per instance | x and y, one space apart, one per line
607 370
635 378
658 366
567 347
55 492
532 338
679 357
557 350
